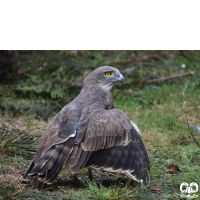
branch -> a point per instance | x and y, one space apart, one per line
171 77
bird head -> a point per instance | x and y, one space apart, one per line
104 77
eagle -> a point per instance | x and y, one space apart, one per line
90 133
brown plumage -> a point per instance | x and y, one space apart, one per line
90 132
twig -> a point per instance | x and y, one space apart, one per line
186 110
171 77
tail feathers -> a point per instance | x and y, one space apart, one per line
50 164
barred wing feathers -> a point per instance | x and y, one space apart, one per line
56 145
111 142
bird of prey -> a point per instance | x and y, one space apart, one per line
90 133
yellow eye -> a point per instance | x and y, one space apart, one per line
108 73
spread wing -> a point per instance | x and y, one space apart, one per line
56 145
62 127
111 142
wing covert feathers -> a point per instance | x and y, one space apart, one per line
107 128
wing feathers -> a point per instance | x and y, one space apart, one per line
62 158
48 165
94 143
53 141
74 152
123 159
78 161
97 158
73 161
42 161
113 125
51 162
130 158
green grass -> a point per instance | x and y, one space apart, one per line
158 111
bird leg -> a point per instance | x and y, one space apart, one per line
91 177
90 174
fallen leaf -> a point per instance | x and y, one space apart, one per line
172 169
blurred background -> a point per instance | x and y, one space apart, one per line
42 82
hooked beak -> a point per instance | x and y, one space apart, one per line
120 78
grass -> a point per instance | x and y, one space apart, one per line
158 111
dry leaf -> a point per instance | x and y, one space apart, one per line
173 169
